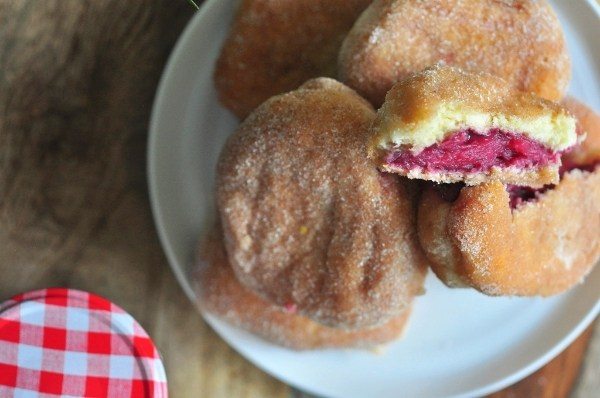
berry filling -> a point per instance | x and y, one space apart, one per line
290 308
519 195
468 151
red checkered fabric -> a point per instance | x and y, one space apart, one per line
62 342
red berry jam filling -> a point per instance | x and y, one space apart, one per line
290 308
468 151
519 195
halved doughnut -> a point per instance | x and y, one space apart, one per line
447 125
511 240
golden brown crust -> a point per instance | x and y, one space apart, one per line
542 247
518 40
419 96
276 45
308 220
221 294
434 235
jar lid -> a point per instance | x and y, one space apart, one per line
73 343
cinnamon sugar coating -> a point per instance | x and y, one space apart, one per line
222 295
276 45
542 247
419 97
519 40
308 221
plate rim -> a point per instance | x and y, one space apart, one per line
160 99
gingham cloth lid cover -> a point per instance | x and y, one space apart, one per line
69 343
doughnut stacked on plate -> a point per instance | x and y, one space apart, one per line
331 212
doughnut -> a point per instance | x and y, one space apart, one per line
276 45
514 240
520 41
447 125
220 294
308 221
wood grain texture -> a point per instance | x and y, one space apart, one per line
554 380
77 79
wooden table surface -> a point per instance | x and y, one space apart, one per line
77 80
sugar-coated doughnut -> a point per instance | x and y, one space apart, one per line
276 45
447 125
516 241
222 295
519 40
309 222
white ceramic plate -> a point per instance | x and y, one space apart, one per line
458 343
